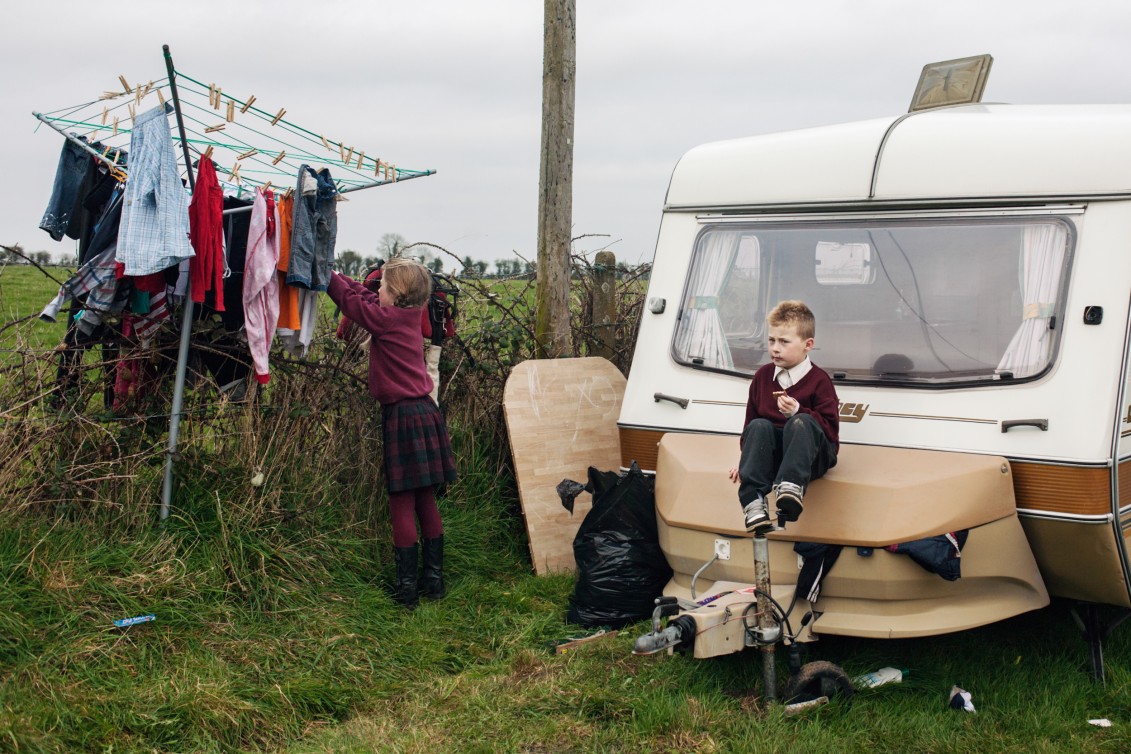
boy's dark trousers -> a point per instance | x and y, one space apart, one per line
798 453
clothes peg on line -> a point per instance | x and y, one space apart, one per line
249 153
231 115
279 157
247 104
110 95
377 167
234 176
208 153
125 85
342 151
266 187
160 97
349 156
360 159
279 115
115 126
133 111
326 144
217 127
105 114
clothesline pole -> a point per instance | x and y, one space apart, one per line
76 140
186 321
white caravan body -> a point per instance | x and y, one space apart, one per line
970 273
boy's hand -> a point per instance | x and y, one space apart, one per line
788 406
733 474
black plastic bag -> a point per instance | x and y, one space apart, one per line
620 566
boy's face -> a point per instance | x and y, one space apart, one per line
787 348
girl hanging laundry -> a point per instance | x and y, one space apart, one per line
418 452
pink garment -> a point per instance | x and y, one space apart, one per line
260 282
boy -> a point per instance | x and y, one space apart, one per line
791 433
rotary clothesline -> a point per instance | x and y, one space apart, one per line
272 155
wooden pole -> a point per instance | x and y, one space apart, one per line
605 305
555 182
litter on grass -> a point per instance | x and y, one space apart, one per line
124 622
961 699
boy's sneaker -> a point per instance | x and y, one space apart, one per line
757 520
789 501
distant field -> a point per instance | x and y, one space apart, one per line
24 291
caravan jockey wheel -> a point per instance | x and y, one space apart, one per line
817 679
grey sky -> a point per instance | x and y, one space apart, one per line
456 87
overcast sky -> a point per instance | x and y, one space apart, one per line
455 86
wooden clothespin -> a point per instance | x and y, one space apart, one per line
92 137
125 86
137 94
360 159
247 104
148 87
278 116
133 111
105 114
266 187
115 126
234 176
105 151
231 116
393 169
279 157
326 144
342 151
110 95
217 127
349 156
207 153
249 153
289 192
160 97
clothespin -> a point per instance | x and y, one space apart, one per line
93 136
105 114
105 151
160 97
117 154
393 168
377 166
133 111
360 159
110 95
247 104
326 144
288 193
234 176
278 116
266 187
147 88
208 153
279 157
217 127
138 94
231 116
349 156
125 85
249 153
115 125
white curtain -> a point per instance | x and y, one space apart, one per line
700 334
1042 258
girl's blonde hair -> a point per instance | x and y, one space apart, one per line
409 282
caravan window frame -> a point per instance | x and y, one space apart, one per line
708 336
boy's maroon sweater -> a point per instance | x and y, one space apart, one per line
815 393
396 352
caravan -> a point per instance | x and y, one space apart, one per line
970 272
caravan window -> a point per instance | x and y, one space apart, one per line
919 302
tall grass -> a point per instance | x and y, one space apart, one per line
275 631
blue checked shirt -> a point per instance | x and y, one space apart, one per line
155 224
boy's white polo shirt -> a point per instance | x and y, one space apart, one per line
792 375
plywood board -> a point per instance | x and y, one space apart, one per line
562 418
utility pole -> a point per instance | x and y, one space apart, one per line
555 180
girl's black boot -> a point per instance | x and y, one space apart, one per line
406 592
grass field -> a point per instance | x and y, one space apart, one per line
274 631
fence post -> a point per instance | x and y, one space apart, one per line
605 305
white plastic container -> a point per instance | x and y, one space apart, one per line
879 678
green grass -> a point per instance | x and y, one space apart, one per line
276 632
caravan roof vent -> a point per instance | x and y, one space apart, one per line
951 82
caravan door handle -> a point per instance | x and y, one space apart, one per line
1041 424
681 402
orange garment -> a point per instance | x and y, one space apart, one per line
290 318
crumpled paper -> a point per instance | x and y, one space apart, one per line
961 699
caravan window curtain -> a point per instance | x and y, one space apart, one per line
700 338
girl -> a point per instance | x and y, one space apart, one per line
418 452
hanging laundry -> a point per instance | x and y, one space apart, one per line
206 231
236 228
315 229
289 318
261 283
73 162
154 233
97 282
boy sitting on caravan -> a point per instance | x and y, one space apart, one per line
792 430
